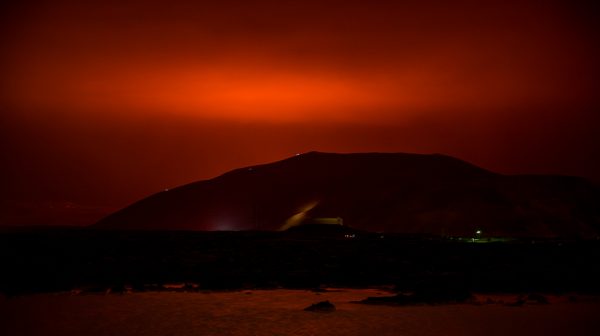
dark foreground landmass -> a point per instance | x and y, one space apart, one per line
51 260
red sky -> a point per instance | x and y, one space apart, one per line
105 102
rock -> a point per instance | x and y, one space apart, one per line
323 306
518 303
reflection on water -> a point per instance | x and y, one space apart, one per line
280 312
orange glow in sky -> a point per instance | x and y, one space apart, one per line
96 95
386 63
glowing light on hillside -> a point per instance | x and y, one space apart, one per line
297 218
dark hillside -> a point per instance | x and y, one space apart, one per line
378 192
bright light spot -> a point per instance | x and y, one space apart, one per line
225 223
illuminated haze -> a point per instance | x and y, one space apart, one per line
105 102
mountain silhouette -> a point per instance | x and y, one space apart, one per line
377 192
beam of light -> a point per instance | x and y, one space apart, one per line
299 217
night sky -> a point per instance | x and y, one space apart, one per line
105 102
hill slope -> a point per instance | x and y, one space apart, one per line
390 192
